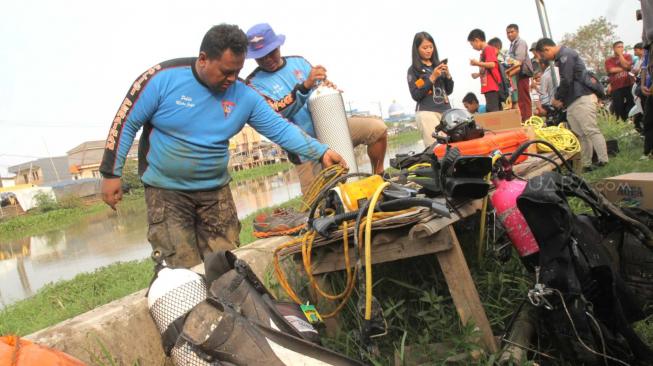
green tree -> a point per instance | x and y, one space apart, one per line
593 42
130 178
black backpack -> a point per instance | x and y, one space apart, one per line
592 82
598 288
504 83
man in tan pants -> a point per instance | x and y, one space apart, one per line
574 93
581 115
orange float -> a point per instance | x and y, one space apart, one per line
505 142
15 351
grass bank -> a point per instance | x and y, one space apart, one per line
260 171
65 299
405 138
34 223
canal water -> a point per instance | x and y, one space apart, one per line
29 263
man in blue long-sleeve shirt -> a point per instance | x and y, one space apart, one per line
576 96
188 109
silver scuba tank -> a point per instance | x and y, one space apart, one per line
330 122
173 293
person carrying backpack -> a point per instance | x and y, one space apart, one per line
575 94
489 72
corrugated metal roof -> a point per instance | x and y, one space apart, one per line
91 152
53 169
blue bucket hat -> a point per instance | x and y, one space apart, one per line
262 40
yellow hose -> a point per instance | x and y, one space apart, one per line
325 177
306 242
368 250
559 136
417 166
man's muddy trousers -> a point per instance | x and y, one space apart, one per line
184 226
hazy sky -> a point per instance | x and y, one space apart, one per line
65 66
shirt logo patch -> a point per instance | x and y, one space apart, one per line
185 101
227 107
298 75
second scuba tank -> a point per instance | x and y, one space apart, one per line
330 121
171 296
504 201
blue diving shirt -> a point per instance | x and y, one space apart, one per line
284 90
186 128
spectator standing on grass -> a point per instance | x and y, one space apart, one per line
621 81
535 60
573 94
519 51
546 90
430 85
645 74
638 50
488 69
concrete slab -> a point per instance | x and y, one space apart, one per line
124 330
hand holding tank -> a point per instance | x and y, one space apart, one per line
330 122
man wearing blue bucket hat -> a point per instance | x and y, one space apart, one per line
286 83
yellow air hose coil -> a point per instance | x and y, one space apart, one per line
306 243
559 136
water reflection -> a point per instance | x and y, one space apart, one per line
27 264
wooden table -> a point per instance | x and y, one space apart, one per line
435 235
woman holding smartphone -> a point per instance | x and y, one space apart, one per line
430 85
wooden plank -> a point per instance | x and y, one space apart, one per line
462 288
387 246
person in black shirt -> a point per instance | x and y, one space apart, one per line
430 85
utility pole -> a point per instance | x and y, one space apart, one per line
546 33
56 172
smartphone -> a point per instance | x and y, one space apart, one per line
445 61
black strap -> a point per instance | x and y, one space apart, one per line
218 263
171 334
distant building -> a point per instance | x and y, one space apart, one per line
358 112
397 113
248 149
41 171
6 182
245 140
84 160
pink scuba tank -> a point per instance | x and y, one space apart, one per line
504 201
